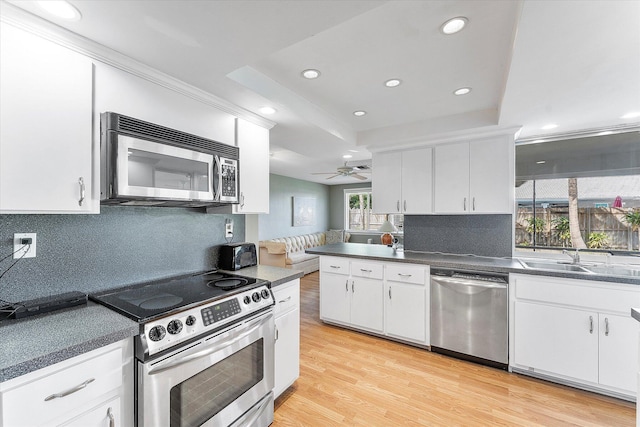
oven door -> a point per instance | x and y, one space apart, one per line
151 170
224 378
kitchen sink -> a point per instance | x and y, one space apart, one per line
555 266
615 271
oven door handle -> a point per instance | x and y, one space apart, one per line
239 334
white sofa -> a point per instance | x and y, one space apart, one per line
289 252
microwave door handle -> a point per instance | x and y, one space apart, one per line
213 347
217 169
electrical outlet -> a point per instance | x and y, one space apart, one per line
19 248
228 229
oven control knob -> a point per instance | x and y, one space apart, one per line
255 297
191 320
174 327
157 333
265 294
247 299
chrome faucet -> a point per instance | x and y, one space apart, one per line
575 258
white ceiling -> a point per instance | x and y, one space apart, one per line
529 63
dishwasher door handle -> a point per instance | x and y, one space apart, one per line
468 282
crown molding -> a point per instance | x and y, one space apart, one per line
24 20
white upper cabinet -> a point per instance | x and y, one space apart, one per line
474 177
46 143
253 141
402 182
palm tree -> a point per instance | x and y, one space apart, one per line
633 219
574 224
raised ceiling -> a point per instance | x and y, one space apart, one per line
531 63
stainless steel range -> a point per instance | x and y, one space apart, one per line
205 353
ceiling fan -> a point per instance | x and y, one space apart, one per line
347 171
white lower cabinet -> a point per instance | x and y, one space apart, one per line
406 302
387 299
95 388
287 348
575 331
351 293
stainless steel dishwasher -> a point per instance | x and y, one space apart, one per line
469 316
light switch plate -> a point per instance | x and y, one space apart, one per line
22 251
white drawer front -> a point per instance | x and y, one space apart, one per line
367 269
407 273
26 405
287 297
335 265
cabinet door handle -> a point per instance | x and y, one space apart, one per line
465 204
285 300
398 205
277 334
606 326
474 203
405 205
70 391
346 285
389 292
590 324
81 184
112 418
353 288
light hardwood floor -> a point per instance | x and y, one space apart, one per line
352 379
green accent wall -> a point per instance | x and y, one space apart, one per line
279 221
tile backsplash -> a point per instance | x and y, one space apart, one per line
120 246
484 235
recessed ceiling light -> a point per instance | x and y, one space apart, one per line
359 113
311 74
462 91
347 156
631 115
454 25
267 110
61 9
392 83
541 162
550 126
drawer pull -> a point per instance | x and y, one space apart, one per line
112 418
70 391
364 270
404 275
285 300
334 266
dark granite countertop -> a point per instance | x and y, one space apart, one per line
476 263
635 313
36 342
276 275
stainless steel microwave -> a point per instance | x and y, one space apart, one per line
146 164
